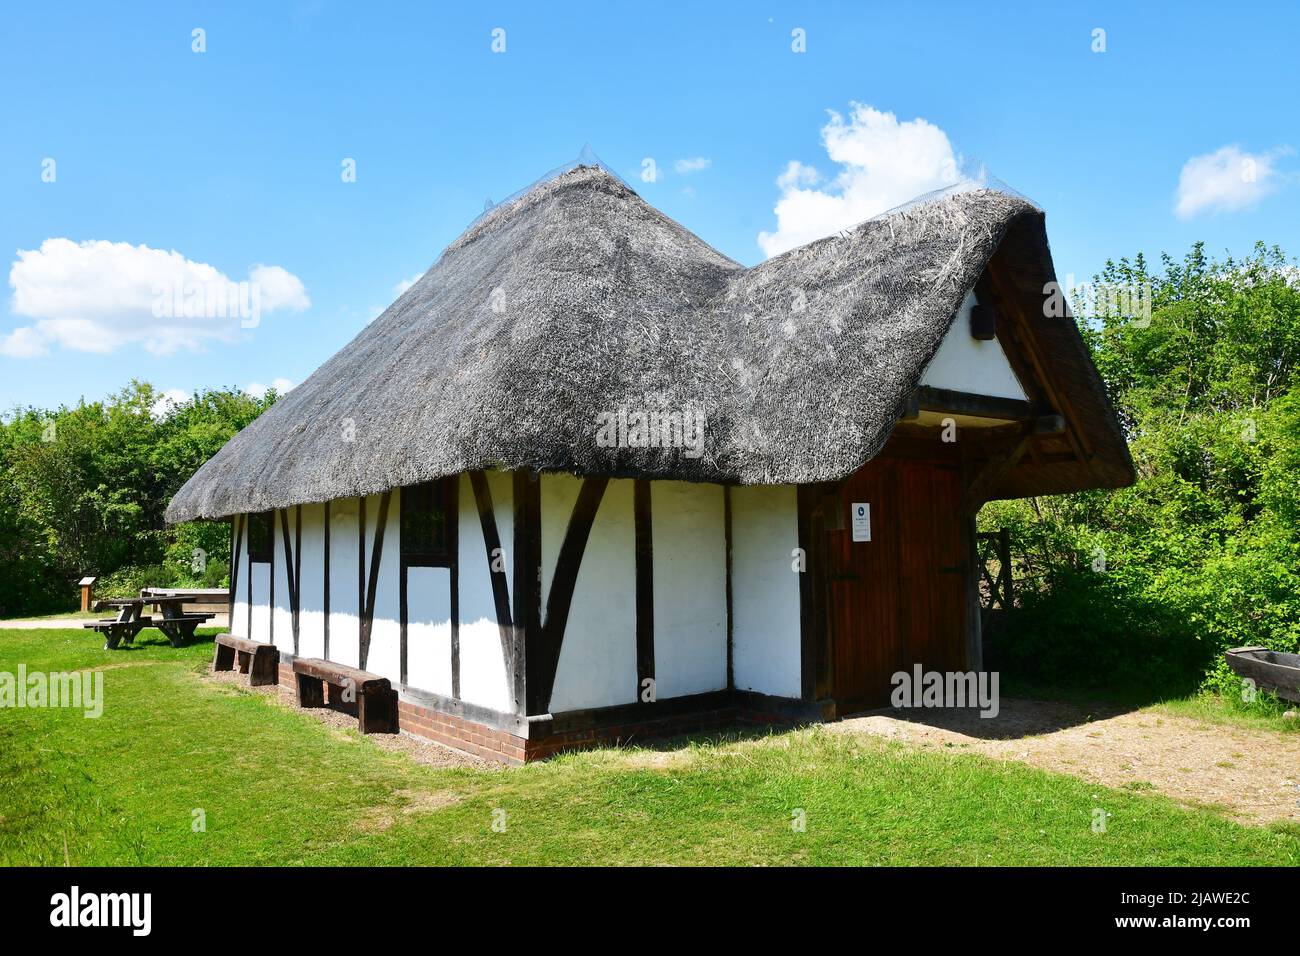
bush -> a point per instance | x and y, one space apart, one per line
130 581
83 491
1147 586
198 554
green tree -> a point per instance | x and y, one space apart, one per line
1203 553
86 489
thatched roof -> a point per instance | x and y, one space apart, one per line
579 298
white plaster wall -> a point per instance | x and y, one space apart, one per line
766 654
385 657
964 364
689 540
597 666
428 629
283 610
239 621
483 678
345 621
311 614
260 580
559 494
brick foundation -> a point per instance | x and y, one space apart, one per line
461 734
627 732
479 739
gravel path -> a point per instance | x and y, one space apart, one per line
1253 775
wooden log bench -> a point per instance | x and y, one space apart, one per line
374 696
261 662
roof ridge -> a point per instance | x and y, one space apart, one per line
560 179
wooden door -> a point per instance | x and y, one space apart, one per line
933 569
864 578
899 598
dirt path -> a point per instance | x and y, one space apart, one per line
1252 775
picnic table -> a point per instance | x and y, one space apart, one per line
131 619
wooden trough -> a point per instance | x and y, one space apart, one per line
1274 671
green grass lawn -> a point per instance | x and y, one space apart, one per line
1266 712
277 786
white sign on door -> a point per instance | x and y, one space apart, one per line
861 521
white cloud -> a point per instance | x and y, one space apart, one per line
23 342
883 163
258 390
98 296
695 164
405 284
167 401
279 288
1226 180
797 174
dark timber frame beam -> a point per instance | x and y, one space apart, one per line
270 610
325 653
292 568
927 399
544 653
645 590
453 546
1004 459
496 570
1025 357
362 642
731 630
817 508
297 574
371 589
237 542
527 588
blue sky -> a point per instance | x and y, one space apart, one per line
232 158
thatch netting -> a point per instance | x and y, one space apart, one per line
578 299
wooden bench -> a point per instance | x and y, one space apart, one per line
374 696
180 628
117 631
261 662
